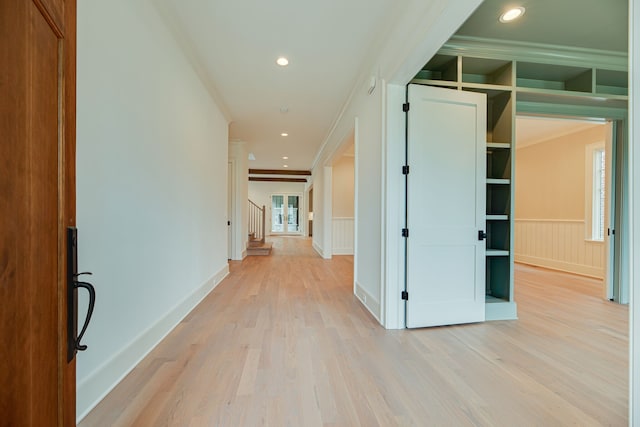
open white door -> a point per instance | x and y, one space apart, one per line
446 201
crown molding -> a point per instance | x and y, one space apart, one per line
535 52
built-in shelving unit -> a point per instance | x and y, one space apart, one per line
503 80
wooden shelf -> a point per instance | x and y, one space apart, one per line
487 71
554 77
534 82
501 181
498 145
440 67
439 83
490 299
612 82
497 217
497 252
490 90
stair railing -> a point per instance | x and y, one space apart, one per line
257 221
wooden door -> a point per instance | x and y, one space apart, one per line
37 203
446 149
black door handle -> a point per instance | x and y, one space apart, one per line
73 339
482 235
92 302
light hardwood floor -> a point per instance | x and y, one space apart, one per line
283 342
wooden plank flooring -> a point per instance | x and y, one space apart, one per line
283 342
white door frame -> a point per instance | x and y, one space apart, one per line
301 215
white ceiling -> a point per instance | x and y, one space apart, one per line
233 45
238 41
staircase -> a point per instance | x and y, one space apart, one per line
256 244
258 247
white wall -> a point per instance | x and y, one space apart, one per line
260 193
151 187
238 156
343 187
318 211
634 161
416 31
342 221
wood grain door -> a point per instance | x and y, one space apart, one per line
37 203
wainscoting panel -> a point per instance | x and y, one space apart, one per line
560 245
342 237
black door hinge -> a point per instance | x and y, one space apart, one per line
405 170
405 295
405 107
405 232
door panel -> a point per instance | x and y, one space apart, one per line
445 207
277 214
293 214
285 213
36 201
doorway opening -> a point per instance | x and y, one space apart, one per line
286 214
566 198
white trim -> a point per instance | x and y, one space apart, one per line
383 202
567 267
97 385
589 182
356 184
634 215
231 210
368 301
394 251
301 215
327 212
317 248
342 235
536 52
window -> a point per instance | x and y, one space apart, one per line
598 195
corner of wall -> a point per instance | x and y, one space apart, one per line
370 303
94 388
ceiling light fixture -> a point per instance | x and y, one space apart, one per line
285 166
284 134
282 61
512 14
285 158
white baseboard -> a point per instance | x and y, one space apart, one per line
567 267
342 251
318 249
95 387
368 301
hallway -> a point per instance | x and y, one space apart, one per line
283 341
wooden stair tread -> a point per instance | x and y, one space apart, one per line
258 248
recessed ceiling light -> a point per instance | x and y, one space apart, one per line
284 134
282 61
285 166
285 158
512 14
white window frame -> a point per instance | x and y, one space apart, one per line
598 190
595 203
